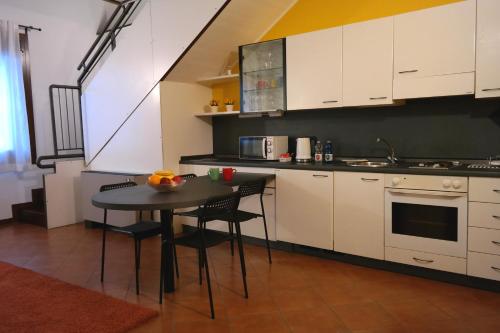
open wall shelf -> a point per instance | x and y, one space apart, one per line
217 114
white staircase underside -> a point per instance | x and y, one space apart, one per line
160 33
137 146
241 22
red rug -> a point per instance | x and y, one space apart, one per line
31 302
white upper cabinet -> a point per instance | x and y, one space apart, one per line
488 49
368 62
314 69
434 51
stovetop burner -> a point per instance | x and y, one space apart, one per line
440 165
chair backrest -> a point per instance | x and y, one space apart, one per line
224 206
110 187
251 188
188 176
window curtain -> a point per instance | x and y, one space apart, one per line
14 132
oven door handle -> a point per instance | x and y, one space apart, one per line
429 193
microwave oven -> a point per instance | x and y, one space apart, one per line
262 147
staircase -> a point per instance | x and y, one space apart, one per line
33 212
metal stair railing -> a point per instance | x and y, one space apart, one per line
107 38
67 125
65 101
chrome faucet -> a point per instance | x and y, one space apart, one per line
392 155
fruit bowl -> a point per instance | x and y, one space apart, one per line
172 187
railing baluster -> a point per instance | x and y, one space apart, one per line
60 117
67 116
74 115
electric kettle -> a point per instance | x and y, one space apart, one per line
303 154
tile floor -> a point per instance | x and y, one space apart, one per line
297 293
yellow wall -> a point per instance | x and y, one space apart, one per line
310 15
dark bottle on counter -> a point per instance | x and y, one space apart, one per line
318 154
328 150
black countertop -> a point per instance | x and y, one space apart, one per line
403 168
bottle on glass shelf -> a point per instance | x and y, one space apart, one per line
318 152
328 150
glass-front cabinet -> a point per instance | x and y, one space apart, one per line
262 76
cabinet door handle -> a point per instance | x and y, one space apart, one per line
369 179
376 98
496 217
490 89
320 176
423 261
495 190
332 101
495 269
409 71
496 243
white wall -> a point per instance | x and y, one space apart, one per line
137 146
162 30
183 133
68 29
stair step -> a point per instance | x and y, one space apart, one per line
38 197
34 215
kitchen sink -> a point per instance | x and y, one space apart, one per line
369 164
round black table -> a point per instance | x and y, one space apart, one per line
194 193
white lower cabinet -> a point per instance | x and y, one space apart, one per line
304 207
427 260
359 214
484 240
253 228
483 257
483 265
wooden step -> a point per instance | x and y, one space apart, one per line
34 216
38 197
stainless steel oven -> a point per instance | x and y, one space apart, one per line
426 213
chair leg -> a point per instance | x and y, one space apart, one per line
242 257
137 263
265 230
207 273
175 261
103 250
175 253
162 270
139 254
200 266
231 232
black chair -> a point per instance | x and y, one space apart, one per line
138 231
217 208
246 190
186 213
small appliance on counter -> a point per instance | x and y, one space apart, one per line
303 154
262 147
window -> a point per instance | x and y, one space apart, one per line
14 129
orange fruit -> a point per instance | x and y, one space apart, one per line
154 179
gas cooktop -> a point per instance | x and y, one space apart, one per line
440 165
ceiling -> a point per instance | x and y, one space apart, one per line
241 22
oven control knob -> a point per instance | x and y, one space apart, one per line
396 181
457 184
446 183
